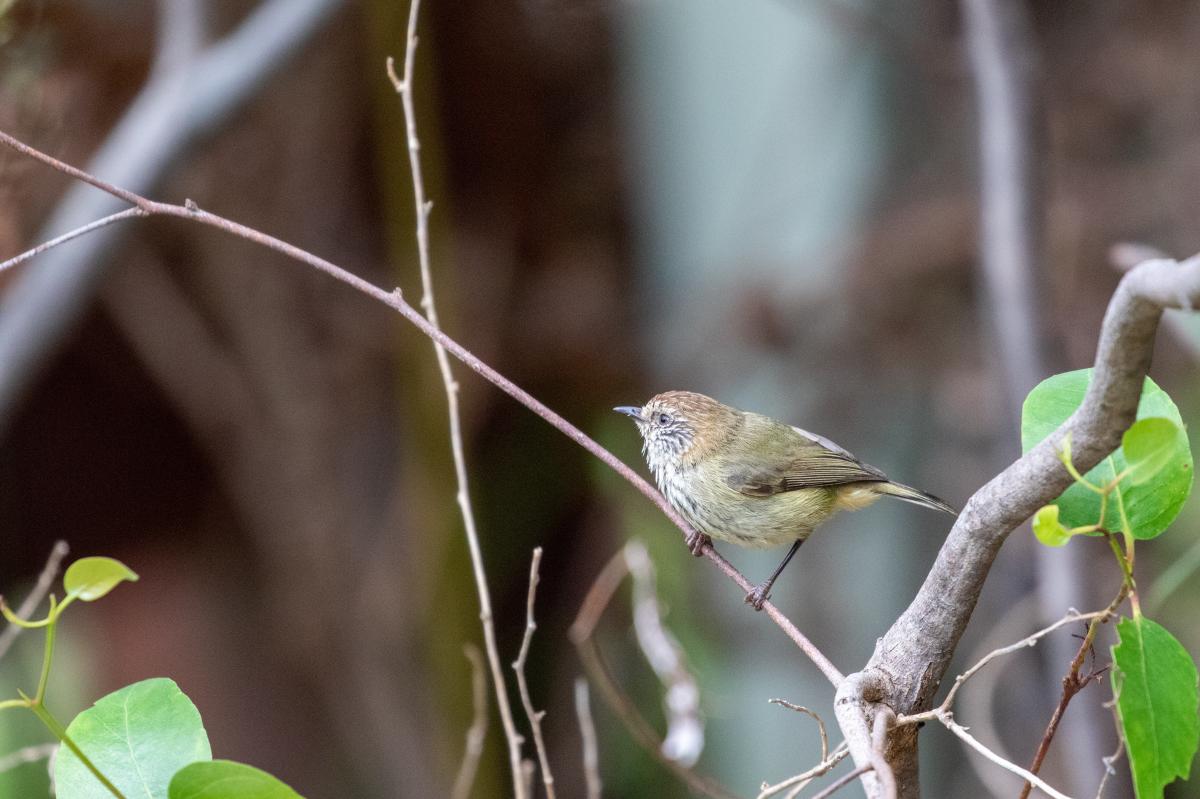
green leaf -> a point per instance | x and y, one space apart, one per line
1149 446
138 737
91 578
225 779
1154 680
1048 529
1149 507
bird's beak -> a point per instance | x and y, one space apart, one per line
632 411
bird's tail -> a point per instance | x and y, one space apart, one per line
915 496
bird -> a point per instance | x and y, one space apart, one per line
751 480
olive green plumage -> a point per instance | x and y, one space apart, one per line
751 480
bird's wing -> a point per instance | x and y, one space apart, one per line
812 462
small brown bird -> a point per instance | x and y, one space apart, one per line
751 480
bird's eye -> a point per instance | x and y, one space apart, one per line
664 418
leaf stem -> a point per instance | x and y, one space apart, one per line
13 618
48 654
60 732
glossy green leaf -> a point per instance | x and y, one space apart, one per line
91 578
1048 529
225 779
1154 680
138 737
1149 507
1149 445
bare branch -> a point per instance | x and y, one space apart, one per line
394 300
69 235
948 720
910 659
40 589
879 762
422 207
800 781
587 731
478 729
817 718
1024 643
535 716
685 728
1073 683
842 782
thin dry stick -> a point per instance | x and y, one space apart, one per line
948 721
820 770
587 731
535 716
422 206
40 589
396 302
1072 683
478 729
1024 643
843 781
800 781
817 718
120 216
943 714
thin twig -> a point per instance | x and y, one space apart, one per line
477 732
396 302
813 713
948 721
800 781
422 207
36 595
1072 683
587 732
535 716
842 782
1024 643
72 234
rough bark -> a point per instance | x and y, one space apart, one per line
911 659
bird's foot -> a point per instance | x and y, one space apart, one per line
758 596
697 543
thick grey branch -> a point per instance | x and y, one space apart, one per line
912 657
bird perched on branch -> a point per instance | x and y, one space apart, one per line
751 480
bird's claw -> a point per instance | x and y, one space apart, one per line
697 543
757 597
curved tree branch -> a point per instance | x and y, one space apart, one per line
394 300
910 660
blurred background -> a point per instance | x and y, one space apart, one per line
776 202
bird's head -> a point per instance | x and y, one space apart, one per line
679 427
